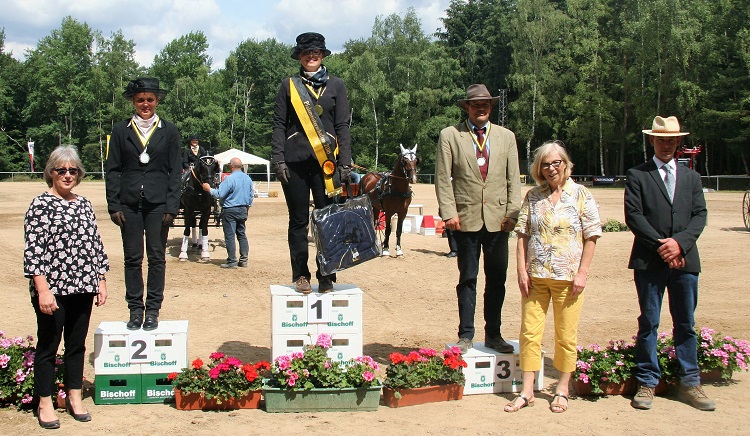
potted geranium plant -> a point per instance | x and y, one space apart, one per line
719 356
224 383
17 372
424 376
311 381
604 370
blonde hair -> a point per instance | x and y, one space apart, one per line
541 153
63 154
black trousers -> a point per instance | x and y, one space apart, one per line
304 178
144 219
71 323
450 234
494 247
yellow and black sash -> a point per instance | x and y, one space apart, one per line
316 135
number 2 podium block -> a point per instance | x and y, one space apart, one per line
489 371
298 319
130 366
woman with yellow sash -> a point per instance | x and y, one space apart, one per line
311 148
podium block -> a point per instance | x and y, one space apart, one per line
489 371
156 388
118 350
298 319
117 389
344 346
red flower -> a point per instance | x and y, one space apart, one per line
262 366
216 355
397 358
413 357
172 376
250 373
197 363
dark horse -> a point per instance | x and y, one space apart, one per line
390 192
197 201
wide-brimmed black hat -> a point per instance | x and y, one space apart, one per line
310 41
477 91
144 84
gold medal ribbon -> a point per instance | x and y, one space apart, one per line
316 135
145 138
474 136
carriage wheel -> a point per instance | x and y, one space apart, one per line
746 209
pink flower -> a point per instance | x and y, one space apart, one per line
4 359
368 376
216 355
20 376
327 364
324 340
429 352
214 373
233 361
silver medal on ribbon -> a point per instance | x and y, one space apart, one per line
144 157
481 161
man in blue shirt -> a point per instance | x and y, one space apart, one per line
236 195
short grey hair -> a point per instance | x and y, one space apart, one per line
541 153
63 154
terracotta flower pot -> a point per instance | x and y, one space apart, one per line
713 376
195 401
627 387
427 394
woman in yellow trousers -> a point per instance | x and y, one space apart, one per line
557 231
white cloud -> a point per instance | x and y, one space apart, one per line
225 23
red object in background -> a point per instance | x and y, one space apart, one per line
381 221
428 222
224 176
689 154
440 227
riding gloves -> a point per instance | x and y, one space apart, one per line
118 218
167 220
282 173
345 173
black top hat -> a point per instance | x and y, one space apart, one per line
144 84
193 136
310 41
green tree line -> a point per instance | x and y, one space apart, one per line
592 73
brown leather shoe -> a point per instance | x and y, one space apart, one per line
644 398
695 396
302 285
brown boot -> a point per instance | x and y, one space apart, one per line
695 396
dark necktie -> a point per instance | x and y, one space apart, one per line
482 155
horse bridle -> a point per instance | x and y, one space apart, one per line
205 160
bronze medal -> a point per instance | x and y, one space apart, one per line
319 109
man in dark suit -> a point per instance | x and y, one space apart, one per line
143 170
666 211
193 153
478 189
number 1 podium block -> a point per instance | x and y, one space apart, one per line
298 319
488 371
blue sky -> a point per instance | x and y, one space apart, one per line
225 23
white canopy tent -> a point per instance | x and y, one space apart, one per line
247 159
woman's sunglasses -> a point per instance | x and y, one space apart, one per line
63 171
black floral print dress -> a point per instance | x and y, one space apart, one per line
63 244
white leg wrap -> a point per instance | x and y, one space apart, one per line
183 249
204 248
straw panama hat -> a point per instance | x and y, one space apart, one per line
665 127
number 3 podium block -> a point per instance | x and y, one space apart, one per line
297 320
131 366
489 371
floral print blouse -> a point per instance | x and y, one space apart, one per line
557 232
63 244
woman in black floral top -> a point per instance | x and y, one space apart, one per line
65 261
